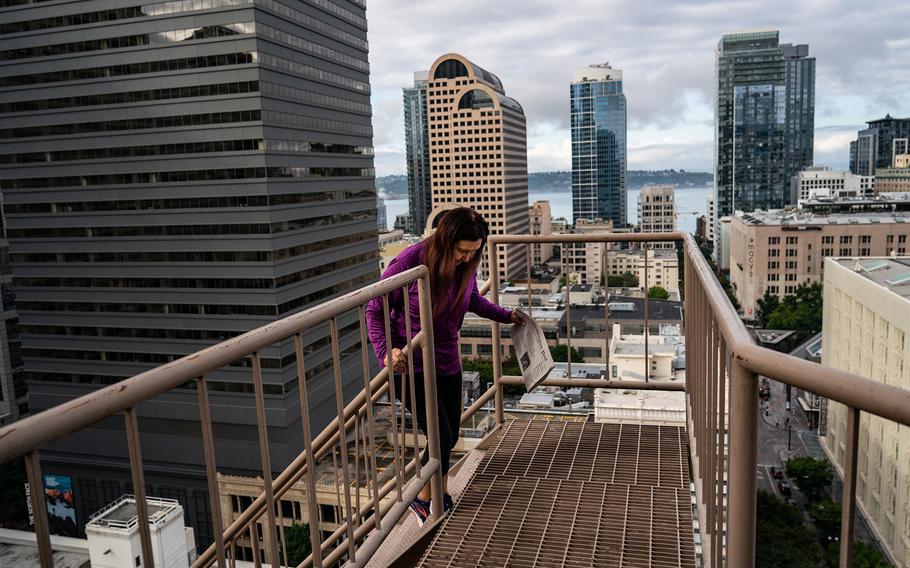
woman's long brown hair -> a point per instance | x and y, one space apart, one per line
459 224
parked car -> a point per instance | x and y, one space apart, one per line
776 472
784 488
791 501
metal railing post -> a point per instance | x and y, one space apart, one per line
132 436
429 380
742 485
208 444
36 489
848 501
497 340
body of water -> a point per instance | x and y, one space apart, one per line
691 202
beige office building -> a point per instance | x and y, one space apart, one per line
778 250
663 266
889 180
541 220
865 327
478 151
657 211
583 262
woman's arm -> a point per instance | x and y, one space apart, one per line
374 310
487 309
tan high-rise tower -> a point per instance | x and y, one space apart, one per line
478 151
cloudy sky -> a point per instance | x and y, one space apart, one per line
666 52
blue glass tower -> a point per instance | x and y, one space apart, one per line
598 108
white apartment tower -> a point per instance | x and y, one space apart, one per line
657 211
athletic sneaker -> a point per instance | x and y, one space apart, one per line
447 503
421 510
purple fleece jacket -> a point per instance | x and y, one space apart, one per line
445 326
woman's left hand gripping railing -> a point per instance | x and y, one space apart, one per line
359 482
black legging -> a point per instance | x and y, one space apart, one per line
449 405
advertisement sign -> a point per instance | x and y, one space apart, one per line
58 494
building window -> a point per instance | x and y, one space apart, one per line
773 241
792 240
828 240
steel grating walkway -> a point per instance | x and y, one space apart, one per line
574 494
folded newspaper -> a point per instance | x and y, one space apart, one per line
534 356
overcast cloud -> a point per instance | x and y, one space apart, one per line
666 53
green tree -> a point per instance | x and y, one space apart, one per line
811 475
559 354
767 305
801 311
624 280
297 540
658 293
864 556
485 368
826 516
13 509
782 540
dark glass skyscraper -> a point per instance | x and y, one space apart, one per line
175 174
876 146
764 120
417 150
598 121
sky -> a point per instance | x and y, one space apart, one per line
666 53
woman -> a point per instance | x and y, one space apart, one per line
451 254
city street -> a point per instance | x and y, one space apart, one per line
773 451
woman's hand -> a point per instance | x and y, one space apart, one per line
399 360
516 318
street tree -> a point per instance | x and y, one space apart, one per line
811 475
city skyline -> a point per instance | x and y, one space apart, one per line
859 77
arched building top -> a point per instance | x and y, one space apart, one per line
452 65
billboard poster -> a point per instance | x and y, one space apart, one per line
61 515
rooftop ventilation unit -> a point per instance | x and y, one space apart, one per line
622 306
872 265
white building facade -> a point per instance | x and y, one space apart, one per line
819 181
865 330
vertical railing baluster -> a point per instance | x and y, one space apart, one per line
606 276
497 340
135 452
312 506
233 553
568 326
208 445
342 438
411 385
356 476
424 298
254 540
529 265
708 470
268 534
283 548
368 389
42 528
721 416
647 325
398 460
848 501
743 462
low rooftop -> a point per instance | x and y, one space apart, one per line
892 273
791 217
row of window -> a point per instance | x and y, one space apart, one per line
189 230
187 203
255 144
133 124
165 36
184 176
187 256
297 42
298 68
309 97
166 65
313 23
111 15
296 120
213 90
271 311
